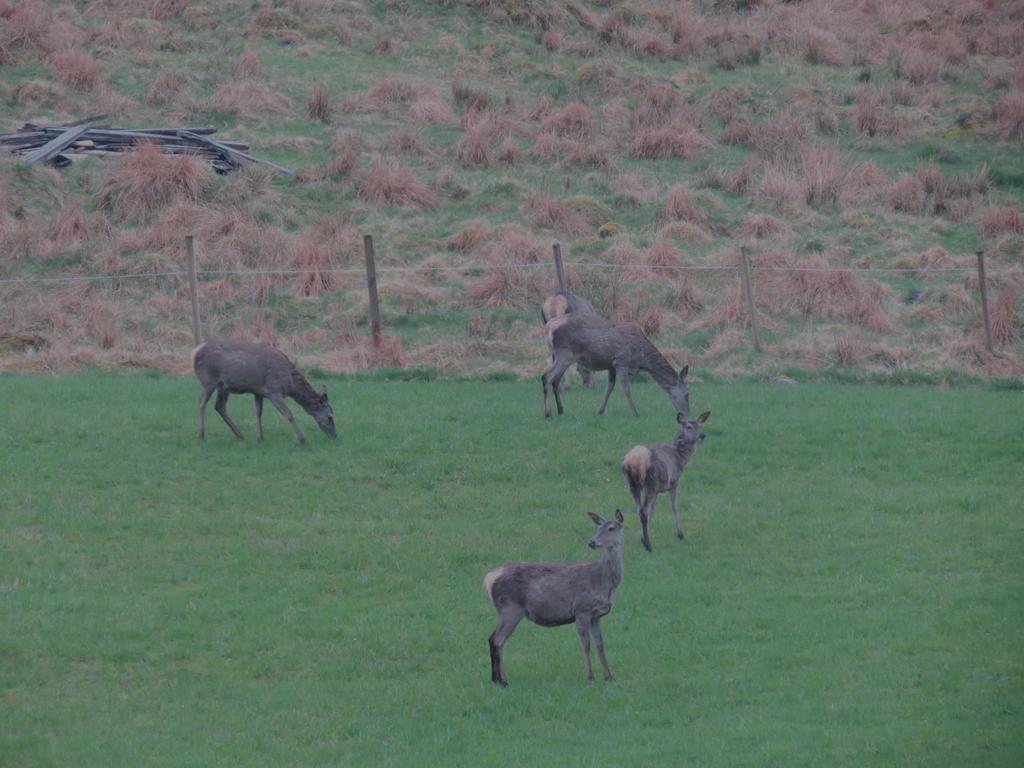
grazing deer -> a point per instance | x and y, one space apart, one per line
608 345
654 469
553 594
242 367
562 303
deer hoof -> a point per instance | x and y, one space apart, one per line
679 534
647 546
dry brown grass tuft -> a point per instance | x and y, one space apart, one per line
508 283
76 70
431 110
822 175
670 142
482 133
163 10
689 32
551 213
145 180
166 87
780 187
907 194
1008 113
319 106
680 206
764 226
248 65
344 148
404 140
465 240
573 121
1000 220
73 225
1004 308
248 99
385 184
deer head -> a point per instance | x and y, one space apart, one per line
324 415
679 394
689 430
609 532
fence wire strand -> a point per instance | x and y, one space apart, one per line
488 267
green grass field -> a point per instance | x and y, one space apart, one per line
850 592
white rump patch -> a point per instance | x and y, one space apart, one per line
196 352
555 306
492 577
637 461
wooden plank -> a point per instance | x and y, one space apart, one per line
233 154
55 145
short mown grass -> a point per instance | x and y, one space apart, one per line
850 591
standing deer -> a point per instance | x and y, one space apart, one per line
654 469
553 594
562 303
242 367
608 345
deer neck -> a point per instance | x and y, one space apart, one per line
659 368
612 565
683 449
302 393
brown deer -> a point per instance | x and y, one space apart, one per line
562 303
242 367
654 469
553 594
608 345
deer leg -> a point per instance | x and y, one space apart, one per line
508 618
583 630
646 515
204 398
628 392
279 403
595 630
551 378
608 391
258 399
675 510
221 407
587 375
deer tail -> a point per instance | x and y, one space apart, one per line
195 353
635 465
489 580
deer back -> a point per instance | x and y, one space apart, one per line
243 366
601 344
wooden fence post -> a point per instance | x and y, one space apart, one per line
983 285
371 285
193 284
750 298
559 267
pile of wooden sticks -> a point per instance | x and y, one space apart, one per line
60 143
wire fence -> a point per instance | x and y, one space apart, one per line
747 294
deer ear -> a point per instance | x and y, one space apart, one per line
683 371
598 520
704 417
618 515
323 394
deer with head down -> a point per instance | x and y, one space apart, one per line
553 594
608 345
654 469
242 367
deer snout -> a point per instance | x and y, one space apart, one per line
592 544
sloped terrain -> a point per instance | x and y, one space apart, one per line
646 138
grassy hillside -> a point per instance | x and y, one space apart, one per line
849 592
466 137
